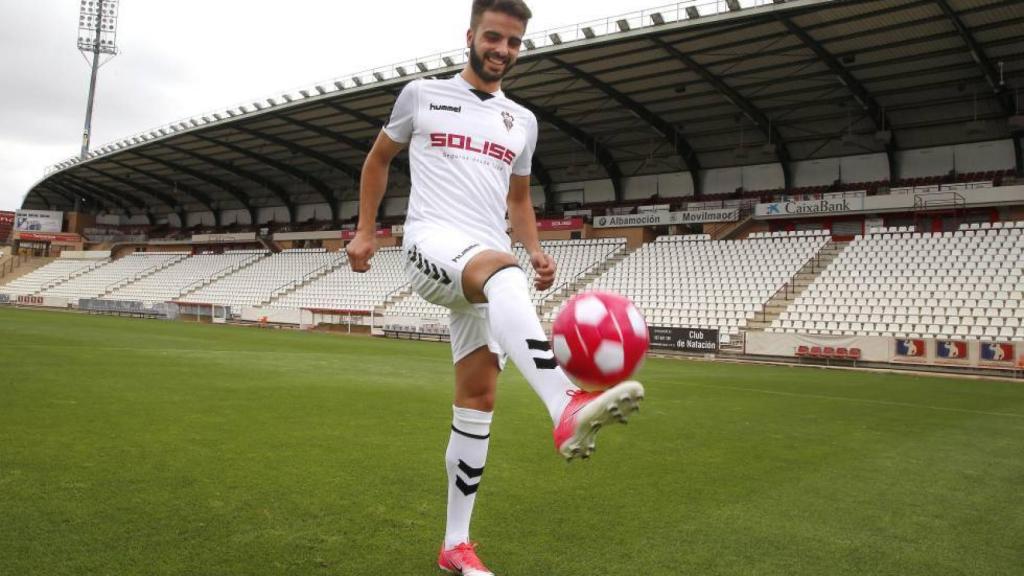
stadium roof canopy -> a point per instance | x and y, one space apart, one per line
684 88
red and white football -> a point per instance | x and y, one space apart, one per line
599 338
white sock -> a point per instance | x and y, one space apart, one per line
514 324
465 459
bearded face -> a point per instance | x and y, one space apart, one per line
489 65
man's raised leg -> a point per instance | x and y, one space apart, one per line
495 278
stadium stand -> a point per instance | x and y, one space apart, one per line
896 282
575 259
266 278
343 289
112 275
694 282
183 276
56 272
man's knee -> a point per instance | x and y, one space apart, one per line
480 269
476 380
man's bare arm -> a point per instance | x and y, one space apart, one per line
524 228
372 186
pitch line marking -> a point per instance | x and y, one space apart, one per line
860 400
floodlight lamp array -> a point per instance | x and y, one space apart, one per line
92 20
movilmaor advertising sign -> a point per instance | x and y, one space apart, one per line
38 221
809 208
667 218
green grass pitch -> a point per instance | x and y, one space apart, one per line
155 448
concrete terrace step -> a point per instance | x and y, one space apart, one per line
801 281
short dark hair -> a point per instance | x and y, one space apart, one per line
515 8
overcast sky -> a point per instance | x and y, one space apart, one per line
183 57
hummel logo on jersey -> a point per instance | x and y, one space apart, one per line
509 120
445 108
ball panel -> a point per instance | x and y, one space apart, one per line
636 321
590 311
563 353
609 357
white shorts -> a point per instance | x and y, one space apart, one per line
435 259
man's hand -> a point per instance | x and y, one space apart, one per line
544 265
359 251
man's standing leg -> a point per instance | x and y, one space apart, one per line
476 377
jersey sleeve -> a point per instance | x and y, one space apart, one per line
399 128
524 163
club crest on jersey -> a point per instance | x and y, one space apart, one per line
509 120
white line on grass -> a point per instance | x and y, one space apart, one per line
859 400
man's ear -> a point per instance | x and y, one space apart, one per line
469 38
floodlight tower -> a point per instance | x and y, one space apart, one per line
97 35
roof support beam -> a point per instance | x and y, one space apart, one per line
1018 151
84 187
55 189
592 145
339 137
228 188
746 106
979 56
280 193
197 195
228 168
371 120
170 201
860 94
544 177
351 171
70 194
668 131
322 187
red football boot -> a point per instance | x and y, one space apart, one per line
463 560
587 412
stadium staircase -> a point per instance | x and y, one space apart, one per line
54 273
269 244
791 291
731 230
144 287
555 300
140 275
14 267
393 299
302 283
199 285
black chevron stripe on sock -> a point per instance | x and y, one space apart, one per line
466 489
437 274
545 363
538 345
469 471
445 279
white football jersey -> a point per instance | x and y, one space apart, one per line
464 146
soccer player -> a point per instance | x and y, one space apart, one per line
470 153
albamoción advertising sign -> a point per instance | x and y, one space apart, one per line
667 218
